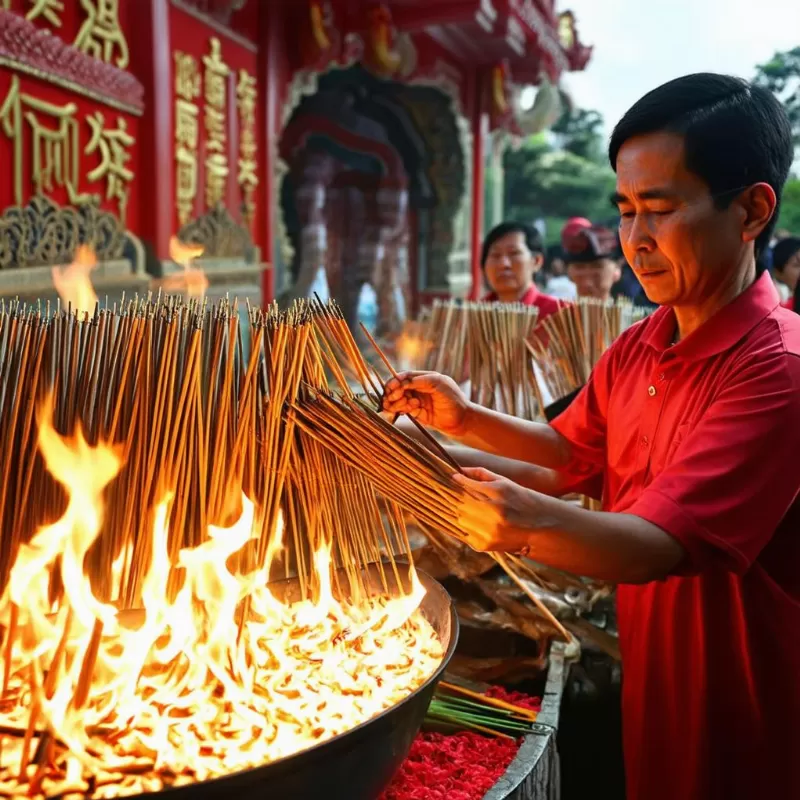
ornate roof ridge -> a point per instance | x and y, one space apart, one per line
44 55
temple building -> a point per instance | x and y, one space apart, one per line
305 145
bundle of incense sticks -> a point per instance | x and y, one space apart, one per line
401 469
567 345
455 707
168 382
483 343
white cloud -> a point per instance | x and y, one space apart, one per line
639 45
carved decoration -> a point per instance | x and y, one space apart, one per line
440 76
38 52
219 235
44 234
434 115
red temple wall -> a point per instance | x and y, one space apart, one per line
31 93
264 39
153 31
193 36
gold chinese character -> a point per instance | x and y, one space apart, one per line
101 35
187 128
187 76
49 9
215 76
247 173
215 129
248 165
247 160
55 154
186 183
216 179
11 119
247 143
246 96
111 144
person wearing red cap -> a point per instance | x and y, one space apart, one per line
688 433
592 257
512 254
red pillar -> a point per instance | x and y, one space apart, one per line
271 24
152 64
479 134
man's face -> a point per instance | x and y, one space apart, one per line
594 278
510 265
681 247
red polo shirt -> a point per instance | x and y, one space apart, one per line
546 304
703 440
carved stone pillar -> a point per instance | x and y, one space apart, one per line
311 197
392 208
360 241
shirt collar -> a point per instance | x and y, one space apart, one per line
728 326
527 299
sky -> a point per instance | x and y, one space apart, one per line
640 44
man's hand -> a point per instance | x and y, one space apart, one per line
497 514
432 399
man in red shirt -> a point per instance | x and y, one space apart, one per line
512 254
688 431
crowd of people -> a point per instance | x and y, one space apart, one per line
589 262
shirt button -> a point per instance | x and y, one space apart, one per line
645 441
652 391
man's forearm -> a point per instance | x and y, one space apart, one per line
531 476
508 437
514 438
620 548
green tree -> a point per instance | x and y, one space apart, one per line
580 131
545 182
790 207
781 75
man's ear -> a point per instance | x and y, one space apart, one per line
537 262
757 205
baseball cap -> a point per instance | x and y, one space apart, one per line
581 240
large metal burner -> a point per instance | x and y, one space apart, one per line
358 764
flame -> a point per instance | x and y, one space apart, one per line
192 281
74 284
177 690
412 348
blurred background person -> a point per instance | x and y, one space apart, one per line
591 253
786 266
554 279
512 254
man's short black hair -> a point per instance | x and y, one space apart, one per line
533 239
735 134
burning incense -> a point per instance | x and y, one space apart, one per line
142 645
